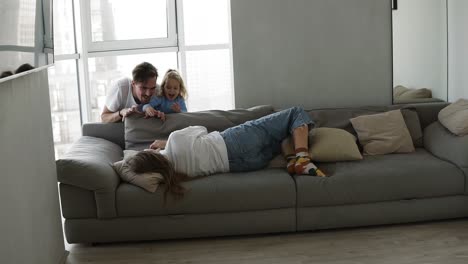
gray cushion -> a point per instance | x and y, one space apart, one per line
381 178
114 132
445 145
229 192
141 132
414 126
427 112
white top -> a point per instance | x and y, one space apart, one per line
195 152
120 95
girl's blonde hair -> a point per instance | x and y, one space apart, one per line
174 74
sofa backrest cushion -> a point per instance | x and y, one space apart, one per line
113 132
340 118
141 132
414 126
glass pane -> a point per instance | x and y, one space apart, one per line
64 38
209 80
202 28
17 19
103 71
11 60
126 20
65 105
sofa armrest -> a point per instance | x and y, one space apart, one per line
87 165
447 146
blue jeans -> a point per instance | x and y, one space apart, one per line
252 145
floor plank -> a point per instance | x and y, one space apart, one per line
433 242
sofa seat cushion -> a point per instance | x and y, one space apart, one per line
230 192
381 178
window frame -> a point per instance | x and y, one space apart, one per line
84 49
133 44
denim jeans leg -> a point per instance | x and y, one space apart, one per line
249 145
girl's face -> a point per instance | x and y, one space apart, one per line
171 89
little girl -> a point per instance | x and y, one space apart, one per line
170 98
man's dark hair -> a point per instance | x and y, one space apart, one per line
5 74
144 71
24 67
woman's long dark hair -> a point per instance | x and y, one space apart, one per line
150 161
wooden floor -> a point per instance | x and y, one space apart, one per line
435 242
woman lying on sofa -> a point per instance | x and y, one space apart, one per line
193 151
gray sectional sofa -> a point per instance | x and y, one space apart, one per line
97 206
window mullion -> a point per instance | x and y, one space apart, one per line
181 39
233 90
82 47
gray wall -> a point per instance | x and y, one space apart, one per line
30 223
320 53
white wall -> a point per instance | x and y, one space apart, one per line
30 223
321 53
458 51
420 45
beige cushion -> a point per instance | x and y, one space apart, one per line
147 181
401 92
455 117
129 153
383 133
327 145
332 144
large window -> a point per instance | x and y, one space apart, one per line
99 41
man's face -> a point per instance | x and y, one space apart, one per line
144 90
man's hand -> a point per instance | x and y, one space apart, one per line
158 144
129 111
176 107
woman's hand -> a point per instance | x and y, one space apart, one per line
158 144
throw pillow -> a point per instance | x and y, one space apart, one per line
147 181
129 153
383 133
401 92
455 117
332 144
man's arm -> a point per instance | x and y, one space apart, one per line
108 116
